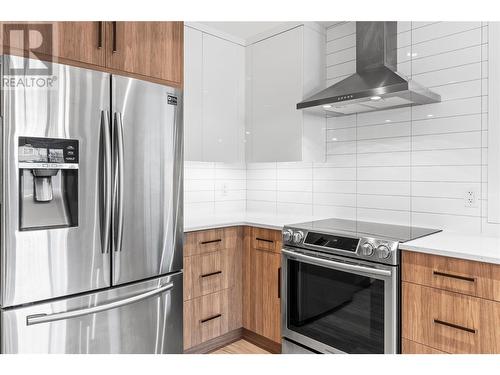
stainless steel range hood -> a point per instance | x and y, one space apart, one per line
376 85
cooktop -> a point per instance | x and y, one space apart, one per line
354 228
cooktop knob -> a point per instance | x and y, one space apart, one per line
367 249
298 237
287 235
383 252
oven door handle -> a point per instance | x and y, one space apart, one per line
338 265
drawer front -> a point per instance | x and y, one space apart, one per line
412 347
205 318
450 322
456 275
207 241
206 273
266 239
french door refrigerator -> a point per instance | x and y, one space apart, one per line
91 213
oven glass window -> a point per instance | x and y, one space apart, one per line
340 309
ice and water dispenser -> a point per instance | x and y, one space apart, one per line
48 183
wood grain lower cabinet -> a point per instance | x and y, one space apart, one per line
412 347
212 284
261 282
445 320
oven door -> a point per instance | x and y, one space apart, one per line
339 305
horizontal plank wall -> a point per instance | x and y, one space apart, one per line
401 166
405 166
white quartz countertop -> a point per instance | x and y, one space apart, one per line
256 220
478 247
475 247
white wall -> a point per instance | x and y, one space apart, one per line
406 166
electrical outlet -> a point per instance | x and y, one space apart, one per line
470 198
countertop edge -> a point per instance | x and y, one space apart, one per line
195 228
450 253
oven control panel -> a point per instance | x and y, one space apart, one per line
373 249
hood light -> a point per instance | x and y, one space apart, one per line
375 97
326 106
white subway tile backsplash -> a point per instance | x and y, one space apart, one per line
340 57
452 75
447 124
403 166
387 130
447 157
446 141
340 30
440 30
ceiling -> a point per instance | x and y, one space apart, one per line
242 30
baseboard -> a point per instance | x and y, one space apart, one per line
261 341
216 343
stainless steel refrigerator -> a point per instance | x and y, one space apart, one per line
91 213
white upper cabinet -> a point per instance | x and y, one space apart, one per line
214 117
281 71
193 95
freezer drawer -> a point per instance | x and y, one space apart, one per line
145 317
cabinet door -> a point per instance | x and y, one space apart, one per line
76 41
193 95
223 100
150 49
261 297
275 73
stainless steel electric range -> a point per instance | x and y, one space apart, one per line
340 283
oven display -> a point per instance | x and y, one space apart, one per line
333 242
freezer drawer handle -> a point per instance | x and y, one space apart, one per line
45 318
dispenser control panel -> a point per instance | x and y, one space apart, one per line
53 153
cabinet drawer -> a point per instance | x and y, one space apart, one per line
205 318
451 322
456 275
206 273
412 347
266 239
211 240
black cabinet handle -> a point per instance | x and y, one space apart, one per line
99 34
211 241
211 318
211 274
456 326
470 279
115 49
264 240
279 282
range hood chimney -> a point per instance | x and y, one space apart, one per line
376 85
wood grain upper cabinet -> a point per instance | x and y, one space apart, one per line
261 283
82 42
149 49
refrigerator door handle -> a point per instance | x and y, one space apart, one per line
107 182
119 181
46 318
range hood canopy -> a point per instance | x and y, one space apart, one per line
376 85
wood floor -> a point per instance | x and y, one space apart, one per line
241 347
